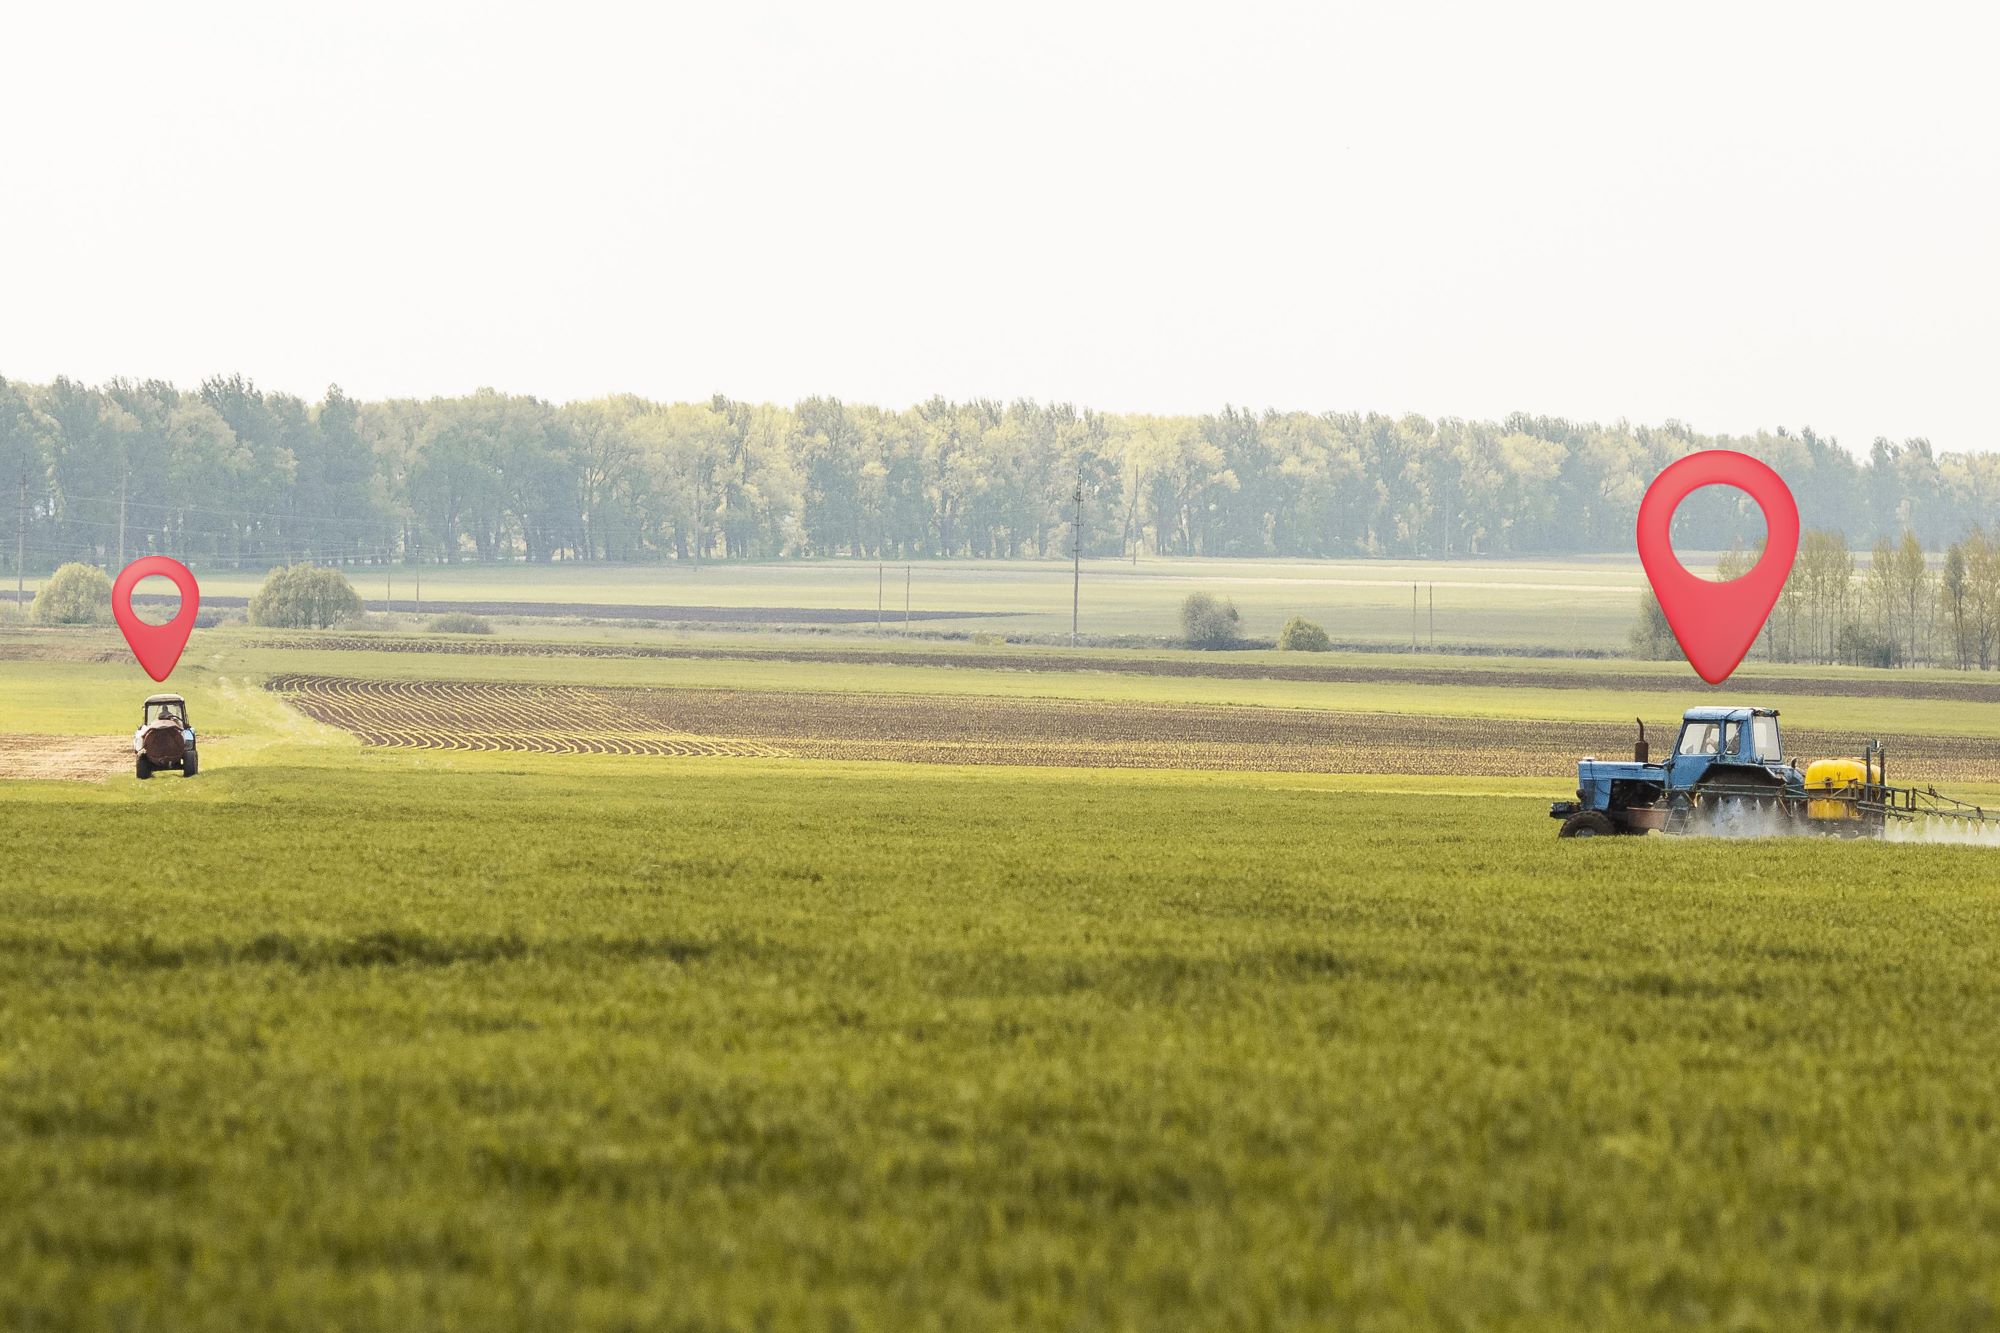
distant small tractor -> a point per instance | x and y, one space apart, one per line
165 738
1728 773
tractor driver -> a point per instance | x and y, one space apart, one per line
1701 738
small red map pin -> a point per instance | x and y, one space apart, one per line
1716 623
158 647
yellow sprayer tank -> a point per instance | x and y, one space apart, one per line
1834 785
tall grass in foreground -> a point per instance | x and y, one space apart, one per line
829 1047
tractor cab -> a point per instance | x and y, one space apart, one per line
1725 737
160 707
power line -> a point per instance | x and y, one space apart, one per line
174 508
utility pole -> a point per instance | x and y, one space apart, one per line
1434 617
878 596
1413 617
124 483
21 545
1076 552
906 601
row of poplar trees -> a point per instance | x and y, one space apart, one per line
1901 607
234 474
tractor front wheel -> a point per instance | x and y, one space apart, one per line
1587 824
145 768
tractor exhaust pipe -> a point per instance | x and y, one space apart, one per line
1641 752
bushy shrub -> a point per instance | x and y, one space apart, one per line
458 622
1652 638
1303 636
1857 645
76 594
1208 621
988 639
304 597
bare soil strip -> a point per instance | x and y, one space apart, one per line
469 715
1579 677
57 649
70 758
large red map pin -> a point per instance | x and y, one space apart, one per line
158 647
1716 623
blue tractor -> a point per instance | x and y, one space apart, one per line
1727 768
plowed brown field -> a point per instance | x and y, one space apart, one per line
459 715
465 715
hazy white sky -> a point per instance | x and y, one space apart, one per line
1738 215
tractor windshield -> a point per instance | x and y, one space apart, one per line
1699 738
1764 740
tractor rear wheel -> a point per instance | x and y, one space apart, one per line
1588 824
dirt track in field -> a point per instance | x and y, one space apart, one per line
465 715
1580 676
65 758
719 615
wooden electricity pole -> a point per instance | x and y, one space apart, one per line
21 544
1076 553
906 601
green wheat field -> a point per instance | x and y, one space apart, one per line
340 1035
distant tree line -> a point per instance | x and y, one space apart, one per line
227 472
